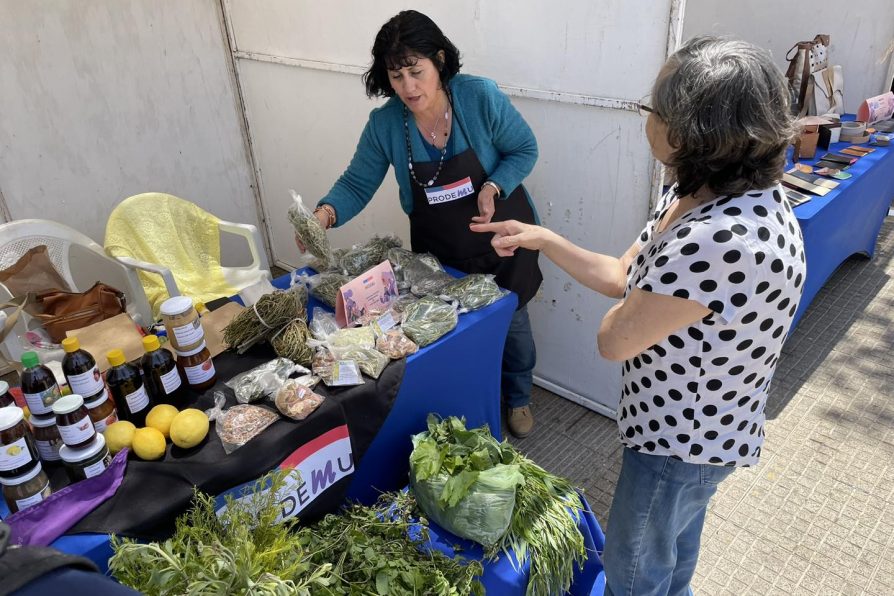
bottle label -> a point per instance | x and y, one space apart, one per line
49 450
97 468
15 455
189 334
137 401
42 402
75 434
196 375
86 384
34 499
102 425
171 381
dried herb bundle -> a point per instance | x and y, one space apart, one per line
308 229
266 317
291 343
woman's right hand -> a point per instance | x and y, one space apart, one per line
511 235
323 218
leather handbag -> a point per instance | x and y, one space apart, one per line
60 311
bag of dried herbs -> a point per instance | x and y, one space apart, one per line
447 465
428 319
371 361
473 291
325 286
308 229
368 255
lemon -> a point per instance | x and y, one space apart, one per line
149 443
189 428
160 418
119 435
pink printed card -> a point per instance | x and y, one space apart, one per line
375 289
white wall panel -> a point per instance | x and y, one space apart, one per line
862 33
298 65
105 99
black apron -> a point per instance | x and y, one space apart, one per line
443 228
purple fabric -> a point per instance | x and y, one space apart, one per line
41 524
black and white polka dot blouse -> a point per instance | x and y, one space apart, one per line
699 394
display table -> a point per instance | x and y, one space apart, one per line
846 221
459 375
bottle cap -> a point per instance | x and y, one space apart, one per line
151 343
71 344
4 387
67 404
115 357
176 305
10 416
30 359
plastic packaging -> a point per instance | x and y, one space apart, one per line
325 286
419 267
428 319
360 337
370 361
240 424
296 401
402 302
396 345
432 285
371 253
334 372
323 324
308 229
473 291
263 380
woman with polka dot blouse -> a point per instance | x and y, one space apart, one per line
707 295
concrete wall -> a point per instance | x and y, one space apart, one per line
105 99
862 33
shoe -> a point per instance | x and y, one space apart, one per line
520 421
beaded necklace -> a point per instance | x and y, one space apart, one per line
410 147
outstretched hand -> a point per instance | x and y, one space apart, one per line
511 235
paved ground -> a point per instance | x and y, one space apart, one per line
817 515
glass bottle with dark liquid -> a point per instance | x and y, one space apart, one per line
126 386
81 372
160 373
39 386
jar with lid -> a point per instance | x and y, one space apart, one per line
80 370
182 323
126 385
24 490
198 368
39 386
5 396
102 412
18 454
73 420
46 438
87 462
160 373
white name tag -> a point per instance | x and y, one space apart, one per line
450 192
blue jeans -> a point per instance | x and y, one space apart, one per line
519 358
655 524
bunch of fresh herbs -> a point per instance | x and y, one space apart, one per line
544 521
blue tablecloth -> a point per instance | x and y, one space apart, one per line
503 576
459 375
847 220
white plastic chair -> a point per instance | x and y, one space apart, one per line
77 258
151 215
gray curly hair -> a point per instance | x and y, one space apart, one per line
728 117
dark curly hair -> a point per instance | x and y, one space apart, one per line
726 107
400 42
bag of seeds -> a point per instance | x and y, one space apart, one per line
473 291
308 229
428 319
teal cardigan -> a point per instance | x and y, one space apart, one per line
501 138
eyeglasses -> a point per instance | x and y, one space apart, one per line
645 109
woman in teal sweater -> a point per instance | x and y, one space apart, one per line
460 151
